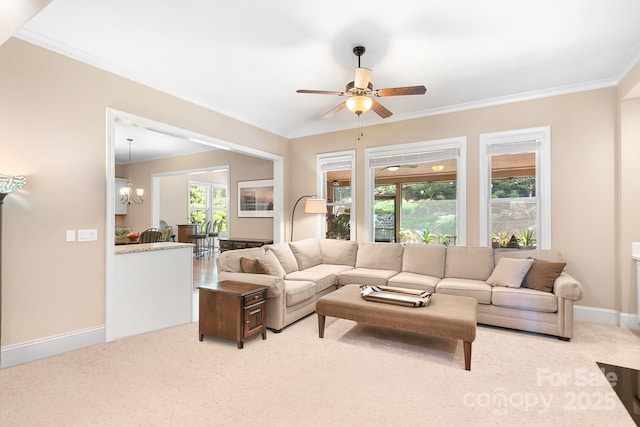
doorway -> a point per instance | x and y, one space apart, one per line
116 116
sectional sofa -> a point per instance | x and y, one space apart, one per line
519 289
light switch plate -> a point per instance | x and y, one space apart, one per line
71 235
87 235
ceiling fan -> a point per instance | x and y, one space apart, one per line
360 92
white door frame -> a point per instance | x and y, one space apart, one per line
114 116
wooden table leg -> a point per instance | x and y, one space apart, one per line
321 325
201 337
467 355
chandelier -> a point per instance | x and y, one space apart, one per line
126 193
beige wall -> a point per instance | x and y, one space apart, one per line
628 159
241 168
583 136
53 129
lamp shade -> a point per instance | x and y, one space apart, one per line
315 206
363 75
359 104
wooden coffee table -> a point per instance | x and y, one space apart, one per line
446 315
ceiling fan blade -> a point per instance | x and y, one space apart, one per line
333 111
320 92
407 90
380 109
363 75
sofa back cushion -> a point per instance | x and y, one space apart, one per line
380 256
469 262
285 256
424 259
270 262
230 260
338 252
307 253
543 254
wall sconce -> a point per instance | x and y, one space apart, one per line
8 184
313 206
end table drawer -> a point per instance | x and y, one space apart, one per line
254 298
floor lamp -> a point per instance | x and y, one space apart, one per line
8 184
314 206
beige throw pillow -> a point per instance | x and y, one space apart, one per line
509 272
543 274
252 265
270 261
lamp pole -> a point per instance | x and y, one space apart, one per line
294 212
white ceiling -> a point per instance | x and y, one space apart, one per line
245 59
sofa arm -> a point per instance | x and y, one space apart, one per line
275 283
565 286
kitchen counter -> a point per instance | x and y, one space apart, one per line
145 247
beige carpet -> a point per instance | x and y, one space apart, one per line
356 376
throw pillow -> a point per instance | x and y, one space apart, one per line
270 262
253 266
543 274
509 272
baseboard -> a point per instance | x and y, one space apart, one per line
607 316
29 351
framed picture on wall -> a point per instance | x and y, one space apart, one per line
255 198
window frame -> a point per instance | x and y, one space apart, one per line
322 160
408 150
516 142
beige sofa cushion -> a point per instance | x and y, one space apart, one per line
410 280
271 264
380 256
369 276
230 260
543 254
338 252
524 299
285 255
477 289
298 291
307 253
424 259
469 262
510 272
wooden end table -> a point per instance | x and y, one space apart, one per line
232 310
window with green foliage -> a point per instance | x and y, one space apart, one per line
515 187
336 181
198 202
219 207
415 192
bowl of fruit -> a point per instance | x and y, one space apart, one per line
133 236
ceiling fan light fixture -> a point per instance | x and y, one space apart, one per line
359 104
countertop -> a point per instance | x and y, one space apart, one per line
145 247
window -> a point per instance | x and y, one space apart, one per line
336 184
515 188
208 202
199 196
219 207
416 192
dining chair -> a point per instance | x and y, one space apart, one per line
151 235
